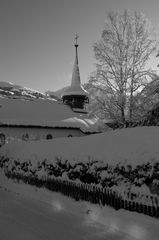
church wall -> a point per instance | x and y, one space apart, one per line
29 133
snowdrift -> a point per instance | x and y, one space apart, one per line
132 146
124 160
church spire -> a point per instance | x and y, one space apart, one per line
76 82
76 46
75 95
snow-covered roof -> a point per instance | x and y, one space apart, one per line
44 113
75 90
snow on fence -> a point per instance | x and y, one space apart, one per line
148 205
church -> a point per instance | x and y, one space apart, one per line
35 119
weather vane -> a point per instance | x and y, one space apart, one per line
76 38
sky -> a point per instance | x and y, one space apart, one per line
37 38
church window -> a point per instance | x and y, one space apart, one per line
70 135
25 137
49 136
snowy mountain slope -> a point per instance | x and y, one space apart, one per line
57 94
11 90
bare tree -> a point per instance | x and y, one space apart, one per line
122 53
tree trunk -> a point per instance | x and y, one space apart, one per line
131 97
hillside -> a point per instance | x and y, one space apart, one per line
56 94
14 91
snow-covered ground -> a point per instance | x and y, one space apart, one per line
28 212
36 214
136 150
127 146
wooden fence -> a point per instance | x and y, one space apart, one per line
94 194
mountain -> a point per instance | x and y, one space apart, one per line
56 94
11 90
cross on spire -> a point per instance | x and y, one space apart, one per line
76 38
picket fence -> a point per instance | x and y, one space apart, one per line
94 194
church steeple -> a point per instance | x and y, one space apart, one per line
76 74
76 46
76 96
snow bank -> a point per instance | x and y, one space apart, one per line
133 146
38 203
126 160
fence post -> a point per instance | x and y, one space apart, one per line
126 204
103 200
141 208
116 201
93 194
111 198
105 197
85 192
137 207
157 212
120 201
89 194
108 197
145 210
133 206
